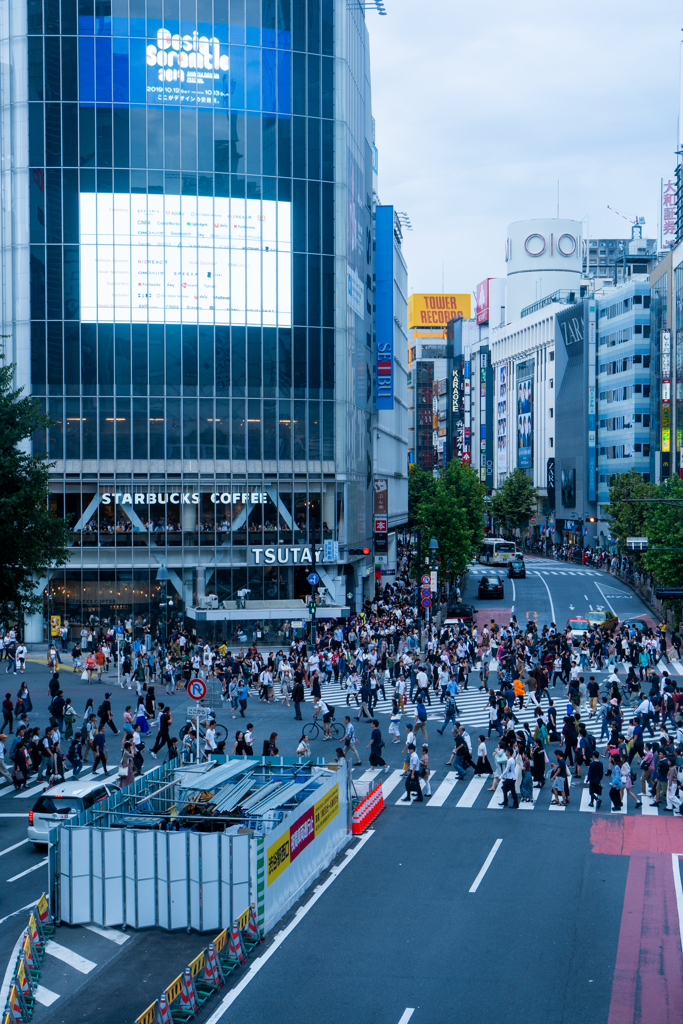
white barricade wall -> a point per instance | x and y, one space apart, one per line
303 845
144 879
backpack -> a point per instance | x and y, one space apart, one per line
100 710
421 713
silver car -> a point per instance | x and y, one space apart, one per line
60 803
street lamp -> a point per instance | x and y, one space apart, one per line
163 576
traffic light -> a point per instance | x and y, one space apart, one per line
312 607
590 519
359 551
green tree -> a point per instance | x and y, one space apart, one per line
32 540
628 520
663 526
440 515
469 495
421 484
515 501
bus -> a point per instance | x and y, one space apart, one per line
496 551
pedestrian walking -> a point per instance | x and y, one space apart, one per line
375 747
100 749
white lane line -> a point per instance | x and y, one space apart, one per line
40 864
472 792
108 933
552 606
407 1014
6 981
15 847
514 595
45 997
486 865
675 864
444 790
391 783
256 966
15 912
604 598
67 956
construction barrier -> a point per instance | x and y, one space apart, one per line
26 974
367 810
185 996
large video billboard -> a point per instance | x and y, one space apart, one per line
171 258
525 398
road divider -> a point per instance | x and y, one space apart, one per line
23 987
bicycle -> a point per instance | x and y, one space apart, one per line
315 728
221 732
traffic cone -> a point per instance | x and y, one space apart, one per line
188 1001
236 949
213 972
163 1011
252 935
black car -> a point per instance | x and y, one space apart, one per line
491 586
465 612
517 568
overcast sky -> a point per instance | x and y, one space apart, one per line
481 107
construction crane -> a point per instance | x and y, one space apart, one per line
631 220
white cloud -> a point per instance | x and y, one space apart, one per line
481 108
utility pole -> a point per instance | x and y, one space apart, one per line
312 605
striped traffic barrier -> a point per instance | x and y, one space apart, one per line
236 950
367 810
163 1014
213 972
188 1003
252 935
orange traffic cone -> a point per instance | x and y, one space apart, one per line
252 935
163 1011
213 972
189 1003
236 949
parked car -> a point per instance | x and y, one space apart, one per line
56 805
605 619
517 568
491 586
465 612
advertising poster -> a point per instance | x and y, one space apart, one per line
502 416
524 422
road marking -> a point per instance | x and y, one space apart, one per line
514 596
15 847
108 933
552 606
407 1014
423 786
67 956
391 783
675 863
679 668
444 790
14 815
486 865
45 997
15 912
529 807
646 808
585 802
369 775
256 966
495 803
472 792
605 598
28 871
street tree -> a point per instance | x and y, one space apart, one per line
32 540
628 519
469 494
421 484
515 501
663 526
440 515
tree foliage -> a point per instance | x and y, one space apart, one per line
664 529
32 541
628 520
451 509
515 501
421 484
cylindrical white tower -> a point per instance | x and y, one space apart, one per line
542 257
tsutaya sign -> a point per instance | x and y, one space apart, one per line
188 498
286 556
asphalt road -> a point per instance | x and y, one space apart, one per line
538 937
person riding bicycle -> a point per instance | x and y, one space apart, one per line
327 713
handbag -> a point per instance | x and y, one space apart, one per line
84 675
123 771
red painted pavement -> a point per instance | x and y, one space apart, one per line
647 987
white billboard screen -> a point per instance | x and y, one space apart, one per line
185 259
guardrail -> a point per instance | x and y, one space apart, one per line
204 975
26 975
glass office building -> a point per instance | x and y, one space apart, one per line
187 247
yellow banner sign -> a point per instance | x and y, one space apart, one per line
278 857
304 830
435 310
326 809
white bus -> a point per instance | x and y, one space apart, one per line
496 551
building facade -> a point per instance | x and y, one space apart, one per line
188 259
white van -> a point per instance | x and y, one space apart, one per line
62 802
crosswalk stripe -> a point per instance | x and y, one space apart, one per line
369 775
390 784
647 808
413 796
109 933
496 803
444 790
535 793
36 790
585 801
44 996
472 792
67 956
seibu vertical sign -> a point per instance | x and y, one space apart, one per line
384 302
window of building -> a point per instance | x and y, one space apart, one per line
639 329
646 449
551 357
550 441
646 390
551 382
637 448
638 300
646 301
550 412
646 419
646 362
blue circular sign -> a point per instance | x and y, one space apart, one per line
426 602
119 629
313 578
196 688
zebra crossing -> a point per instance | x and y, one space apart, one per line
472 703
483 570
473 794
